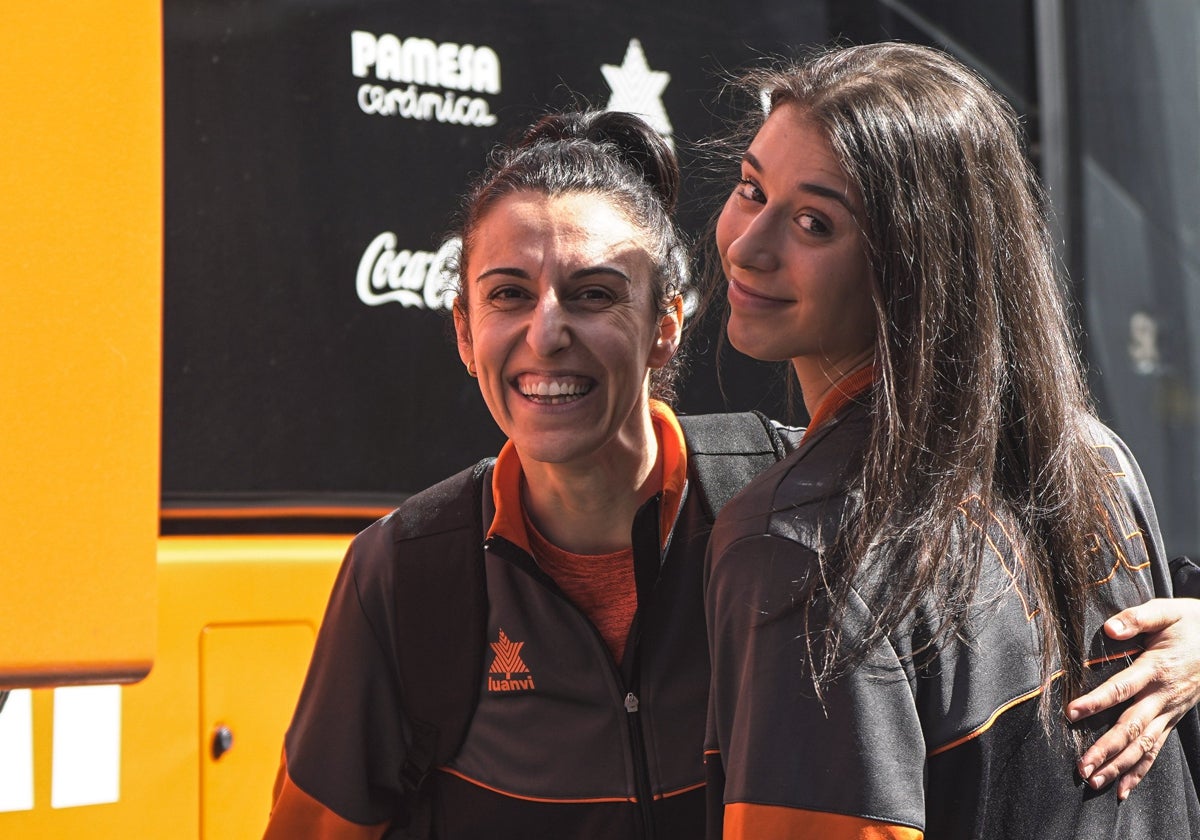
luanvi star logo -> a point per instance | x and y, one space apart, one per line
638 90
508 662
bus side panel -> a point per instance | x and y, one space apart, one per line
237 619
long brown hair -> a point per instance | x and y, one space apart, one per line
979 390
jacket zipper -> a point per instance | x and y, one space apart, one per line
641 765
641 768
646 537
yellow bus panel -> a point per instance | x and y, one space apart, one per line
237 617
80 338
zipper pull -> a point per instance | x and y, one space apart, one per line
631 702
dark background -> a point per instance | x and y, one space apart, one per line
282 389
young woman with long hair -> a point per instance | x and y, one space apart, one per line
900 609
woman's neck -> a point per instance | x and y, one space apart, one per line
818 377
587 507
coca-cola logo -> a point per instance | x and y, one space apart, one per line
418 279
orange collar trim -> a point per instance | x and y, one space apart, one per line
841 394
672 457
509 521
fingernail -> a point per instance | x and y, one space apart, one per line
1073 715
1098 782
1086 770
1123 795
1116 625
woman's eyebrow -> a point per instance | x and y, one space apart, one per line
581 274
808 186
607 270
503 271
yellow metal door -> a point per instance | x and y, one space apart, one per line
250 677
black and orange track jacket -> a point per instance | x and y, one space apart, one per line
915 742
564 742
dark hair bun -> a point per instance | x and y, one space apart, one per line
639 145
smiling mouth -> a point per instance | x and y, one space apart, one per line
553 391
752 293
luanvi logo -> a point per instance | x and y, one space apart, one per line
509 663
436 81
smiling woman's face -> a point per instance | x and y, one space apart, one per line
794 253
560 325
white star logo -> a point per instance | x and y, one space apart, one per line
637 89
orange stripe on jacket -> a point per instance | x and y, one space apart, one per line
748 821
1029 695
297 816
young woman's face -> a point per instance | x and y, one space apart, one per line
794 253
560 324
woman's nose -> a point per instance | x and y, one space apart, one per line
755 244
549 330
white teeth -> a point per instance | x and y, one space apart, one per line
554 389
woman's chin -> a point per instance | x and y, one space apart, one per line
553 448
749 343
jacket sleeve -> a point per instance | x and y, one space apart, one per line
847 765
1185 575
345 747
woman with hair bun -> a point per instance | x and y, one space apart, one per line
590 527
900 610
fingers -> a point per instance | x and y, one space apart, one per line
1114 691
1129 748
1154 615
1118 749
1160 686
1131 764
1135 774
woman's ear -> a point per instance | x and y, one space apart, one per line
462 330
670 330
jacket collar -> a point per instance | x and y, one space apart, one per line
509 521
843 392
